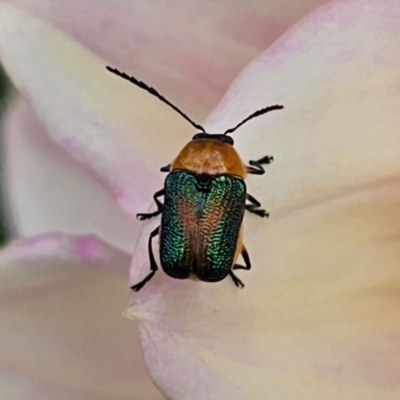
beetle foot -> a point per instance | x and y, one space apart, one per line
262 213
236 280
258 211
265 160
139 285
143 216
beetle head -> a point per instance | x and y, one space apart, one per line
214 136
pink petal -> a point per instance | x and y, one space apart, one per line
62 333
189 50
106 124
318 318
47 191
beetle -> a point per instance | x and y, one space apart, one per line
200 235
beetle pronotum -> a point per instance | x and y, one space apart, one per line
204 203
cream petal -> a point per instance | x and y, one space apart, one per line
48 191
109 126
62 334
189 50
318 316
336 73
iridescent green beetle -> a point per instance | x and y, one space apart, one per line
204 202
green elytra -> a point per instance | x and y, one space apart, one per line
200 224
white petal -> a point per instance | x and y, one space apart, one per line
189 50
114 129
62 335
336 74
48 191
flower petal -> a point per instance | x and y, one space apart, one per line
318 316
336 73
48 191
157 39
109 126
62 333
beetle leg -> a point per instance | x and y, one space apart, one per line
153 264
246 260
256 166
236 280
254 207
247 266
166 168
143 216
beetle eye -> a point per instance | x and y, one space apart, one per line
199 136
227 139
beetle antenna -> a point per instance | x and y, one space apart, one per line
255 114
154 92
